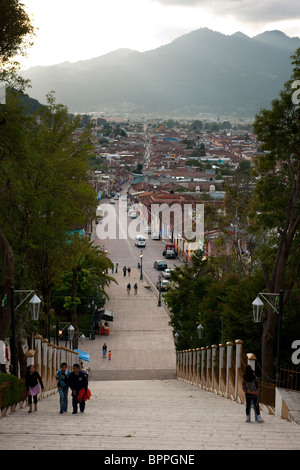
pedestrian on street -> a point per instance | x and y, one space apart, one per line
129 271
78 382
251 389
104 350
112 269
135 288
62 376
32 380
109 355
128 288
124 271
117 266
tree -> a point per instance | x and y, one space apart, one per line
16 33
84 259
189 284
277 201
48 193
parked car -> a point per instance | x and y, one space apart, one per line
170 246
170 254
167 273
140 241
112 201
163 285
160 265
148 230
116 198
133 215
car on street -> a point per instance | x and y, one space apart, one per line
167 273
112 201
160 265
140 241
162 285
170 254
133 215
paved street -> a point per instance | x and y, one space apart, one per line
141 340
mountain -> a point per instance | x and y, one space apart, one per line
201 72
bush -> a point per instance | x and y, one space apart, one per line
12 390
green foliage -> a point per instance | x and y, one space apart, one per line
44 190
16 32
12 390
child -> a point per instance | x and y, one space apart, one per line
109 355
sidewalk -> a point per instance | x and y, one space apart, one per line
140 339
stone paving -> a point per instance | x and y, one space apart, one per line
136 403
140 339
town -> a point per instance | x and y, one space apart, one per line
172 163
149 229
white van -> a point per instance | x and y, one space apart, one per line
140 240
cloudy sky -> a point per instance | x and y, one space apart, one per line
73 30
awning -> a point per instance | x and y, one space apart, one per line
83 355
103 314
108 315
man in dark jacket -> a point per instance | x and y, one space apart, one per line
77 382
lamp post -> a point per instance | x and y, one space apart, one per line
176 337
200 329
35 304
257 306
141 258
71 334
159 291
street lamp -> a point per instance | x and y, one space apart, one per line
82 338
257 305
141 258
200 329
159 291
35 303
71 333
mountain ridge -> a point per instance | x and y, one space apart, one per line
199 72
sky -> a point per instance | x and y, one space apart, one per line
73 30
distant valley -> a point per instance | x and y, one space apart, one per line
199 73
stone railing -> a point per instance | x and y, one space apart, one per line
218 369
47 358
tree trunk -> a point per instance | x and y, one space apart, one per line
7 258
74 310
274 285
